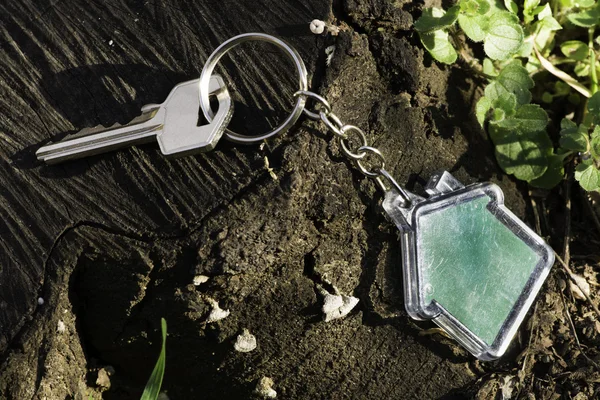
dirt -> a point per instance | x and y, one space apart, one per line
306 223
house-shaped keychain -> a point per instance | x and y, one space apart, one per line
469 263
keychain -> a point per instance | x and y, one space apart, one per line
469 264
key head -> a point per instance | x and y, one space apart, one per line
181 134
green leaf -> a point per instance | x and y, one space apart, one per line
582 69
585 19
474 27
532 118
512 79
561 88
152 389
553 175
595 147
595 132
588 119
543 11
529 5
526 49
489 68
573 137
511 6
567 124
481 109
522 145
576 141
499 116
547 98
528 10
585 3
593 105
507 102
504 36
521 154
575 50
588 176
545 27
473 7
550 23
439 46
434 19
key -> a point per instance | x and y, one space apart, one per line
173 124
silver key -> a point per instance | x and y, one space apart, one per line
173 124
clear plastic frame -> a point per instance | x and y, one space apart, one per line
469 263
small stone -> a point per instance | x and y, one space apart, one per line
245 342
61 327
40 301
317 26
337 306
264 388
329 52
217 313
111 42
103 379
576 289
200 279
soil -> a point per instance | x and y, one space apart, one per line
114 242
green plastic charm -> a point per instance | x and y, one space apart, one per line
469 263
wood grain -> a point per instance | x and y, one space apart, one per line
112 242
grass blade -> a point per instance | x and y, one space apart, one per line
152 388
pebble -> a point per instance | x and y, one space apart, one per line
264 388
200 279
246 342
317 26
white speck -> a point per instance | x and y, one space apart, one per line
508 387
329 52
317 26
217 313
136 20
337 305
111 42
61 327
103 379
264 388
200 279
162 396
245 342
40 301
580 289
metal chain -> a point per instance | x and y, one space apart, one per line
374 168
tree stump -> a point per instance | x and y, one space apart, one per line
113 242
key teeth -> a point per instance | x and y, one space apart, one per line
92 130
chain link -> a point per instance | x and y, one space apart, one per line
320 101
344 143
368 159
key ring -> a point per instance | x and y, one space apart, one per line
220 52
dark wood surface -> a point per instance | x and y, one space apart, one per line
112 242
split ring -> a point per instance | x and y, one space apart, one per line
221 51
